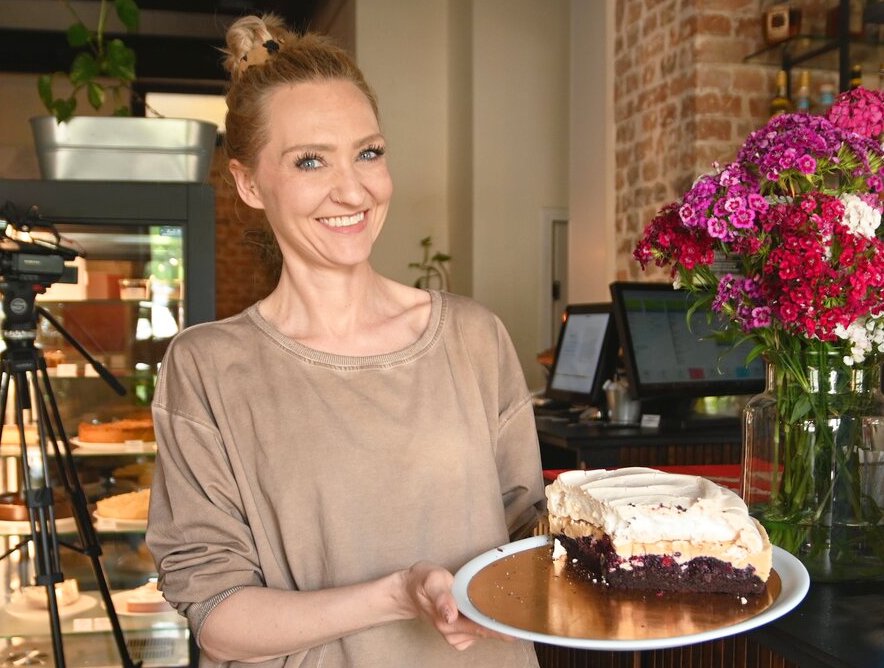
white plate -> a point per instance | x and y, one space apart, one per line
120 598
794 578
19 607
63 525
112 448
115 524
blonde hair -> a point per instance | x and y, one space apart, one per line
262 55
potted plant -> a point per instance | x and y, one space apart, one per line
434 272
117 146
97 60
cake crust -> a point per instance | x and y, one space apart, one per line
117 431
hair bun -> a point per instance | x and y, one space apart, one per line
251 40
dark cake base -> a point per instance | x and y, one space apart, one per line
596 560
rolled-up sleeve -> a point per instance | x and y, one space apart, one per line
517 450
197 533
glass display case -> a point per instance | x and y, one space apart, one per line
144 271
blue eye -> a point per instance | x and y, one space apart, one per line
308 162
372 153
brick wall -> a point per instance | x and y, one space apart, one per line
242 271
683 99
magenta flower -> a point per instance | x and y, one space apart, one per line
860 111
805 263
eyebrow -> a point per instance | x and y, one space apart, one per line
298 148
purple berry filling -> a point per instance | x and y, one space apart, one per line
595 559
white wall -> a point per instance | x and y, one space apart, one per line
591 243
520 112
474 102
402 49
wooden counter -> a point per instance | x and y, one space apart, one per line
566 444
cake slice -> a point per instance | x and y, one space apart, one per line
147 599
638 528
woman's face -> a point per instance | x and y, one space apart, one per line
322 178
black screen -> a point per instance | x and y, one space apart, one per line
585 355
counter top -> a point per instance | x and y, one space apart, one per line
835 625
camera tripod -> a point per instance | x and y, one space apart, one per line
24 369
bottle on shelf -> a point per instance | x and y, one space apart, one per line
781 103
826 98
802 97
856 77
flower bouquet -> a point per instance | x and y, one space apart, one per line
783 248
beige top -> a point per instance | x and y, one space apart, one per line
286 467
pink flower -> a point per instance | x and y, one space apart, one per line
859 110
796 219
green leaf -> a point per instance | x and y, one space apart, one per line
83 69
127 11
120 61
95 94
44 89
122 111
800 408
78 35
64 109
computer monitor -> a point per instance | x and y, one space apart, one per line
665 357
585 357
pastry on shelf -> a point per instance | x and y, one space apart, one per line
10 435
128 506
139 472
146 599
13 508
66 593
117 431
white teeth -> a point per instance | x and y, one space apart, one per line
343 221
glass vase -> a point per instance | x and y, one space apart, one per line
813 464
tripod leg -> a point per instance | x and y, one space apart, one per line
41 516
50 420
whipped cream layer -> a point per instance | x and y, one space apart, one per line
645 511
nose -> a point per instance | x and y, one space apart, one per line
346 187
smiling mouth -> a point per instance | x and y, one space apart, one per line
344 221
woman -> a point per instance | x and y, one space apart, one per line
331 455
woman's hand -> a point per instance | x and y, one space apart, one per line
428 593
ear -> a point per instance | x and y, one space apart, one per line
245 184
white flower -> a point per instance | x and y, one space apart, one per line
865 336
860 218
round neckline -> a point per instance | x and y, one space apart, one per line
438 309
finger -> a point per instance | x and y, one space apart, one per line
446 607
465 626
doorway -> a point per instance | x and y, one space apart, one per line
553 297
559 278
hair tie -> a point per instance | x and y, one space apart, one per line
260 54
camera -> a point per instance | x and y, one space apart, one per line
31 250
32 257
